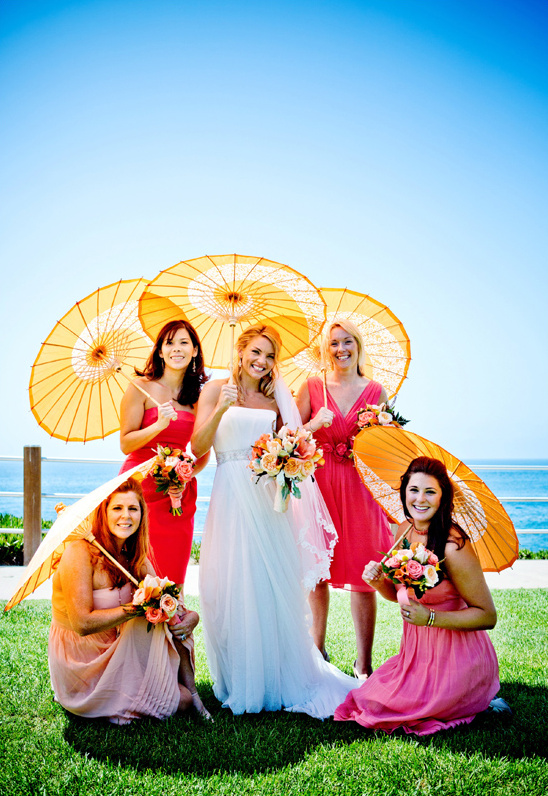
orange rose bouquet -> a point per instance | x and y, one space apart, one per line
288 457
413 566
157 599
383 415
172 468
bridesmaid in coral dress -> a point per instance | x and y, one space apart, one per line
173 376
446 671
361 524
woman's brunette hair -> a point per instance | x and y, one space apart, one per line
194 377
266 384
442 528
135 547
351 329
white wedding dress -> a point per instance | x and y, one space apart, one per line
254 608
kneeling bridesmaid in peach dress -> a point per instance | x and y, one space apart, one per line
102 661
446 671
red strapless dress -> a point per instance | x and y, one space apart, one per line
170 537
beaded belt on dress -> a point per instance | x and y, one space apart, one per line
231 456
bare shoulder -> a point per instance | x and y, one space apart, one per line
76 555
459 556
212 389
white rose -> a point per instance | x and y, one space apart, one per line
421 554
139 597
430 575
384 418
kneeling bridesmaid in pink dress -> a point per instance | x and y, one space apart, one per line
102 660
446 671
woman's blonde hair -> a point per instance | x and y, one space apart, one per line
351 329
266 384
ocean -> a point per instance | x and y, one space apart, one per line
75 478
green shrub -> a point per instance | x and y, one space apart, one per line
195 551
11 549
537 554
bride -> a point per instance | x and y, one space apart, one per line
256 565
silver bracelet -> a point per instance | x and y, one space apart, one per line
431 618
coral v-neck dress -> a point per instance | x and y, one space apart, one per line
363 529
170 537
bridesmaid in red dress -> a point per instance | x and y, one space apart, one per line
361 524
173 376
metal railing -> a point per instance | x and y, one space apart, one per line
32 492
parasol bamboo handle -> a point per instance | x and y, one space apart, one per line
91 538
231 374
148 395
324 387
396 543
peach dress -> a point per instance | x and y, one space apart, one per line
122 674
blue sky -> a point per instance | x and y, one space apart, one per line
395 148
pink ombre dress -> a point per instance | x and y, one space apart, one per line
363 529
439 678
170 537
121 674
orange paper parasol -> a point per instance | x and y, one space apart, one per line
382 454
387 347
77 381
74 522
223 294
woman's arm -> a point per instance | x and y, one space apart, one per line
76 574
132 409
374 576
383 397
464 571
201 463
214 400
323 417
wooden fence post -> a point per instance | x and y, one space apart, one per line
32 501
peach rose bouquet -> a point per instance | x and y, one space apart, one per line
383 415
413 566
157 599
288 457
172 468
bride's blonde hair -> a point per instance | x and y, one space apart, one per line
266 384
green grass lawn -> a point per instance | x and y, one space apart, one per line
44 750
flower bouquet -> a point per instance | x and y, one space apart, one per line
157 599
413 566
383 415
288 457
172 468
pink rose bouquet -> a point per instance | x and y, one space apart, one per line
157 599
172 468
413 566
288 457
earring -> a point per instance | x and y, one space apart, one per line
194 364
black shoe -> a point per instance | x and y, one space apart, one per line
499 705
